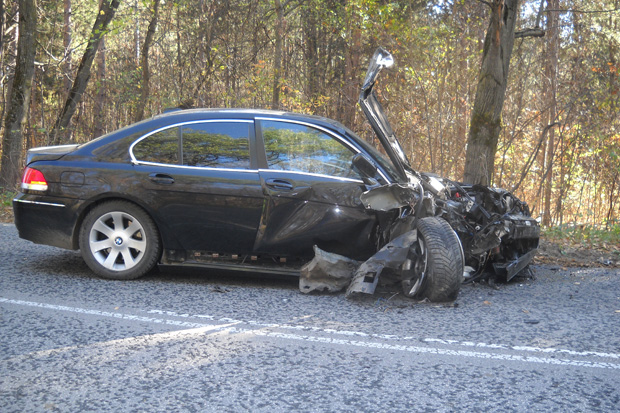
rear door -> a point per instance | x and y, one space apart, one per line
312 196
201 180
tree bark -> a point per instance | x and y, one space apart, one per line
104 17
311 40
485 124
277 66
550 84
352 64
67 46
2 18
146 75
12 140
100 99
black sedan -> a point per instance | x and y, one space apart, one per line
248 189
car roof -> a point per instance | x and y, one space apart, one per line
174 116
206 113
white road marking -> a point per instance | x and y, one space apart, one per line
548 350
391 336
229 327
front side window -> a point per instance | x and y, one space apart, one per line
295 147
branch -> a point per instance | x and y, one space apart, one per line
584 11
535 32
540 12
532 158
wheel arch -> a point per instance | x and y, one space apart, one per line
165 236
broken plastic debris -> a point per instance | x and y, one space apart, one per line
392 256
326 272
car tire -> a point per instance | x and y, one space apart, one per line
436 268
119 241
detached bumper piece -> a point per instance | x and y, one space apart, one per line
329 272
511 268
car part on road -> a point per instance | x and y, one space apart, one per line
327 272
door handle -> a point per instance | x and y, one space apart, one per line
161 179
279 184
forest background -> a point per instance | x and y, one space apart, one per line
559 142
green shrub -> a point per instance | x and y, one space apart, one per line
6 197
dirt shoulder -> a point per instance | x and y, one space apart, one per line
577 255
550 252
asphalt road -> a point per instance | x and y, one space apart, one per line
205 341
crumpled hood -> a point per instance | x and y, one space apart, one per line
377 118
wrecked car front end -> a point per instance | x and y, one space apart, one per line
433 233
494 227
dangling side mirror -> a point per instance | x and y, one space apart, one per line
364 166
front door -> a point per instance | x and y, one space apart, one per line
312 196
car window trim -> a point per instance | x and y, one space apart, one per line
135 161
322 129
337 178
199 168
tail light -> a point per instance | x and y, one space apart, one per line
34 180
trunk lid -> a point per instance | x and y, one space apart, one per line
49 153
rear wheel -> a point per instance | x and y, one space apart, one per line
119 241
435 266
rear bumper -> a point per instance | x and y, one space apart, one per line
46 220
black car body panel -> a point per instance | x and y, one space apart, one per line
258 210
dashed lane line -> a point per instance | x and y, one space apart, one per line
373 342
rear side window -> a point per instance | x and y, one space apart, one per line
206 144
217 145
296 147
160 147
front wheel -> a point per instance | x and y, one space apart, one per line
435 265
119 241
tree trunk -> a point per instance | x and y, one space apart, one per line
550 85
485 124
19 103
2 19
136 33
277 66
352 64
148 41
100 103
104 17
311 38
67 46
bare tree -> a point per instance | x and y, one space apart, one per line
104 17
19 102
550 85
486 116
146 74
67 46
100 99
353 58
277 66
